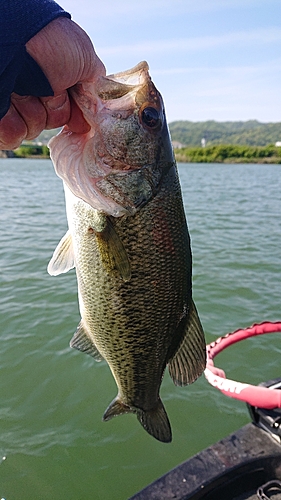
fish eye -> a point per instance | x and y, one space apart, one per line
150 117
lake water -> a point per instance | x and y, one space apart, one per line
53 444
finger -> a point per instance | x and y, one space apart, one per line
57 109
13 129
65 53
32 112
77 122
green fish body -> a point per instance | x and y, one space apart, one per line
130 247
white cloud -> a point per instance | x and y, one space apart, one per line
257 36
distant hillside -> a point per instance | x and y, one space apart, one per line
252 133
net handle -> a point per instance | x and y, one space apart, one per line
262 397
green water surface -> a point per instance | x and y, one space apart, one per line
53 443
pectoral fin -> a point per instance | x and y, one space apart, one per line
63 257
82 342
190 359
113 252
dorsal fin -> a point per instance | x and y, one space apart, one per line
82 342
63 257
189 362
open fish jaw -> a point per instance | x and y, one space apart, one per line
133 76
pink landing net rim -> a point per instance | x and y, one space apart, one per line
261 397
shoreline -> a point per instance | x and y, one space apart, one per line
223 154
233 161
179 159
229 153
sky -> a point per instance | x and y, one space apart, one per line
210 59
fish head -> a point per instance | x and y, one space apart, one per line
117 167
132 120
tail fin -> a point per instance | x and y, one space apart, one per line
155 421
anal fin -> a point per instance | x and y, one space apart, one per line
116 407
189 361
82 342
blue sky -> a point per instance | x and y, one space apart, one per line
210 59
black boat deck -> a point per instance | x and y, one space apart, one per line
232 469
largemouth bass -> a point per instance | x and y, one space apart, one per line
129 242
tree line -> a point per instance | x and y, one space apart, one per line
27 151
224 153
221 153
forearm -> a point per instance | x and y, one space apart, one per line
19 22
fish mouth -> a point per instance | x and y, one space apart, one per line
107 91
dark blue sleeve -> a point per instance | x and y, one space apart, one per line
20 20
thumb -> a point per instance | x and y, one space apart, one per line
65 53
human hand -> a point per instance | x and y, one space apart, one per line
66 55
